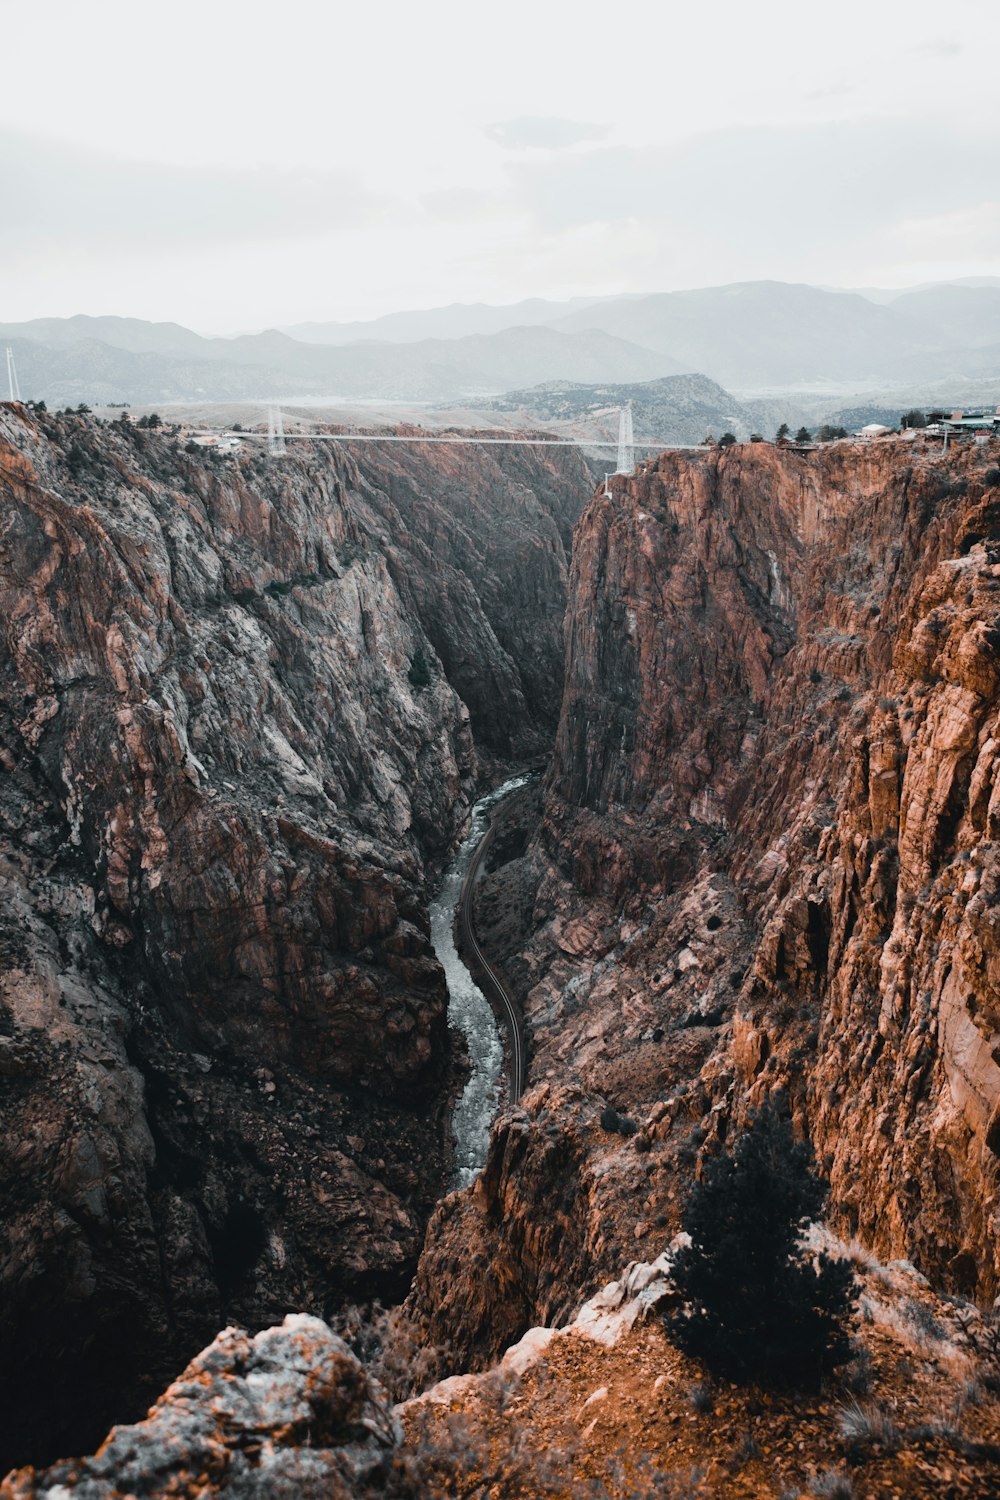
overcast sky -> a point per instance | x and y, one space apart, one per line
232 166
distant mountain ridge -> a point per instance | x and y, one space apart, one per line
458 320
272 366
754 338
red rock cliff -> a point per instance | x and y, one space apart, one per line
768 861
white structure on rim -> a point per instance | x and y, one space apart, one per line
15 389
626 453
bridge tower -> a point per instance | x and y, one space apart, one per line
275 433
626 451
15 389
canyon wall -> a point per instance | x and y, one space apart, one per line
767 864
235 740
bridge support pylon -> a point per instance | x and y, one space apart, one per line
275 433
15 389
626 449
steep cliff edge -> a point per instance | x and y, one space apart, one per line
223 1042
767 861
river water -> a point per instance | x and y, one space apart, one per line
468 1008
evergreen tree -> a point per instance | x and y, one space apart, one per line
783 431
803 435
727 440
754 1306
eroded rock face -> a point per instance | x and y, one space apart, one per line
768 858
290 1412
223 1043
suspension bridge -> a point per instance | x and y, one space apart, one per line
626 443
278 439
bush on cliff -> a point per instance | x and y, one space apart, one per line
419 673
753 1305
613 1122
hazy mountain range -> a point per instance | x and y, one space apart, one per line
753 337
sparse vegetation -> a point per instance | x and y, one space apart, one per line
834 1485
447 1454
612 1121
392 1349
754 1305
865 1425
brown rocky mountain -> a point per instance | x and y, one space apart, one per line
223 1047
762 863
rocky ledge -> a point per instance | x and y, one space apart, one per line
287 1413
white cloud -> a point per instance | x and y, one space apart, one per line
232 165
51 190
536 132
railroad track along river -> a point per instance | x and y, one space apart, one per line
479 1003
489 980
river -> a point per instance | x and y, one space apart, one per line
468 1008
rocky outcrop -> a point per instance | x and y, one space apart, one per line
767 860
513 1248
290 1412
231 752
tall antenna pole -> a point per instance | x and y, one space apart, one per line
626 454
275 433
15 389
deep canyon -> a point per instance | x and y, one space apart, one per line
245 709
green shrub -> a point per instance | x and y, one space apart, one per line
612 1121
753 1305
